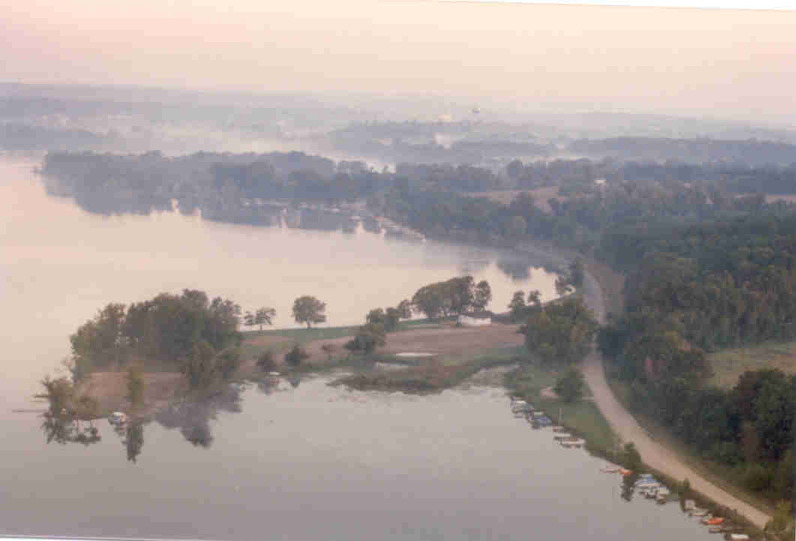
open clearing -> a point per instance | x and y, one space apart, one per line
729 364
443 342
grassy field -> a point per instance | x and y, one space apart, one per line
581 417
280 340
729 364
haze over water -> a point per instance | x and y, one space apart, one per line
60 265
307 462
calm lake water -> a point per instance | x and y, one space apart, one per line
299 460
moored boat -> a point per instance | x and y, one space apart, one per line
572 443
117 418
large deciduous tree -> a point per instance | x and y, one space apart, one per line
571 385
455 296
560 333
517 306
308 310
264 316
483 294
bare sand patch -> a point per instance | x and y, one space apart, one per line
110 390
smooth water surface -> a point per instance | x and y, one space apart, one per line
299 460
315 462
59 265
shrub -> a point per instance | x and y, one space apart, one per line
295 356
266 361
570 386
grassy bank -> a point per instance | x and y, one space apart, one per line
428 377
582 417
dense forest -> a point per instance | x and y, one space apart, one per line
697 288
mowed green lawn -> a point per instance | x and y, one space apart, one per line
729 364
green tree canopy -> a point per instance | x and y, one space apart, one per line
561 332
455 296
570 385
166 327
309 310
264 316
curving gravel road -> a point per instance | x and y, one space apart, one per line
627 428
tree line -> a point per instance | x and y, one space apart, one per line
223 185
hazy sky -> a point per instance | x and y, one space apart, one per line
718 62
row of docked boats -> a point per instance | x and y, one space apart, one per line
652 489
646 485
539 419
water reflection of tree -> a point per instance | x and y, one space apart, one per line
192 417
629 486
134 439
68 417
67 428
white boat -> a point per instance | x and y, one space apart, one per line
572 443
696 512
689 505
739 537
562 436
662 495
521 406
117 418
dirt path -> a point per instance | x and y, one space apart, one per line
627 428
